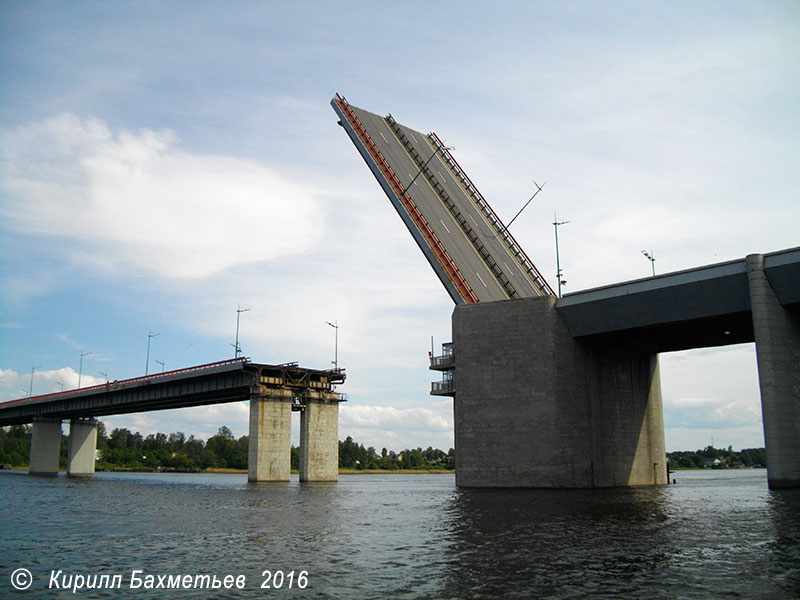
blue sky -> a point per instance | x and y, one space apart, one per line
166 162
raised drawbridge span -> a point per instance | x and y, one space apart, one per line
470 249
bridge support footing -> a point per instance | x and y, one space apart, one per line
536 408
777 334
319 441
45 447
270 443
82 447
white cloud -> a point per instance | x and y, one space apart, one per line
387 417
712 389
15 385
136 199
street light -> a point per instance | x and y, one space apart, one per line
556 224
538 189
435 152
239 312
104 375
652 260
30 389
336 345
80 368
161 362
147 363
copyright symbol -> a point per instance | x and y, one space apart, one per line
21 579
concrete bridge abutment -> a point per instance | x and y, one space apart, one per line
536 408
270 442
319 441
777 335
269 451
82 447
45 446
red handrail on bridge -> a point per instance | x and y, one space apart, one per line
441 254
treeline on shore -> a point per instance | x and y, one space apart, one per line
718 458
124 450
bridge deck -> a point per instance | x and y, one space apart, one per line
214 383
468 246
701 307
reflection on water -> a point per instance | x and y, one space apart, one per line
715 534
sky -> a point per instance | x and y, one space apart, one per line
166 163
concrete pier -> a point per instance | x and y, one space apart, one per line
45 447
82 447
777 336
536 408
270 444
319 441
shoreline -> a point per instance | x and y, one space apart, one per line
227 471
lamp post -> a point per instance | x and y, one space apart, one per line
422 168
80 367
652 260
239 312
161 362
556 224
538 189
147 363
104 375
335 344
30 389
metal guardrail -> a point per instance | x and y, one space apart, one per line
443 387
439 362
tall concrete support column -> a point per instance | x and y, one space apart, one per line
269 450
627 419
45 447
536 408
777 335
82 447
319 441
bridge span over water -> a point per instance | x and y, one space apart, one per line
274 391
566 392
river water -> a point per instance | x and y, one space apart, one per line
716 534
